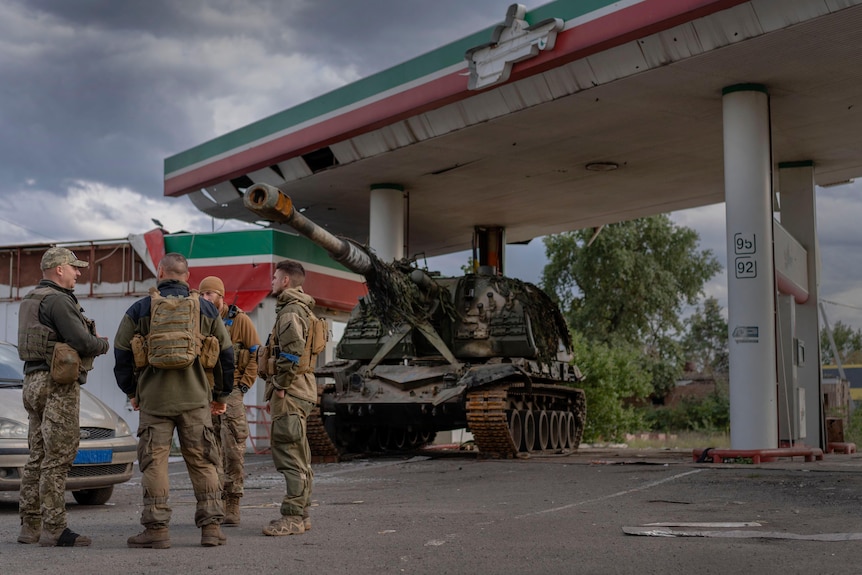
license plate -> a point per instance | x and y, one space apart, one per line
93 456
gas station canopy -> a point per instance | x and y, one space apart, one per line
573 115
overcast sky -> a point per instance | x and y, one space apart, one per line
95 94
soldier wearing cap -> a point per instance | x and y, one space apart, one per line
232 427
49 316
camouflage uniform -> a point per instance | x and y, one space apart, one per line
52 408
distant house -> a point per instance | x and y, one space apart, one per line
852 372
692 386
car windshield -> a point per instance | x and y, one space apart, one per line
11 366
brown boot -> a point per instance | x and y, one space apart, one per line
30 532
231 510
286 525
63 538
151 539
306 520
211 535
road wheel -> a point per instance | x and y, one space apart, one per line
515 429
542 431
528 423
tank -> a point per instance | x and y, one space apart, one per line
423 354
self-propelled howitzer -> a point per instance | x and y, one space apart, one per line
422 354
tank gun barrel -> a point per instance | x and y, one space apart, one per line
271 204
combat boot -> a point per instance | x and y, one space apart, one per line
212 536
151 539
30 532
63 538
306 520
286 525
231 510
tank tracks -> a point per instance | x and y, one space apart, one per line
323 450
508 422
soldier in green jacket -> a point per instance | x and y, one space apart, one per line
170 399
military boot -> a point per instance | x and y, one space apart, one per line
231 510
212 536
63 538
151 539
30 532
286 525
306 520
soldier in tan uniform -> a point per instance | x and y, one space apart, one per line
291 393
231 428
49 316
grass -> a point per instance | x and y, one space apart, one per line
682 440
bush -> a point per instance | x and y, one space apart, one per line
853 432
709 414
612 379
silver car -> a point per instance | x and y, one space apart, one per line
107 449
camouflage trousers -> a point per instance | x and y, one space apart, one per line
231 431
290 451
200 452
53 439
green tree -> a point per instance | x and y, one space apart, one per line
705 338
631 283
629 286
847 340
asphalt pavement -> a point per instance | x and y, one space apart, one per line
459 513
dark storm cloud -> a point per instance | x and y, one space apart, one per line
105 90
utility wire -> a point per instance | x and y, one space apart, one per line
26 229
841 304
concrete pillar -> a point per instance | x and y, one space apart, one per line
750 277
799 217
387 221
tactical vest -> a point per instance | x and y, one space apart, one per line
35 341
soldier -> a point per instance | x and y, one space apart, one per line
177 398
232 427
50 317
291 393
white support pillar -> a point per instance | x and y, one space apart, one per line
750 277
386 221
799 217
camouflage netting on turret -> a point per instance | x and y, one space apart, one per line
394 298
548 324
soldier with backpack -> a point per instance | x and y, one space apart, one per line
287 364
232 427
168 348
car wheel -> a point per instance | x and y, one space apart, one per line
93 496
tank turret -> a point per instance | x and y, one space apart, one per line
423 353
